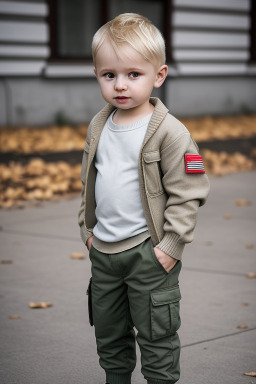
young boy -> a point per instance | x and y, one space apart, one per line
143 181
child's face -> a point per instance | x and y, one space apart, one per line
127 81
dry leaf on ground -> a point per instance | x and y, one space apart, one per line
223 163
77 256
49 139
243 202
249 246
13 317
222 127
253 374
242 326
37 180
227 216
42 304
251 275
244 304
6 261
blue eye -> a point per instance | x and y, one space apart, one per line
134 75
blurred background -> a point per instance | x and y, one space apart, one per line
49 93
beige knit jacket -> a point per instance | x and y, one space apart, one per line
170 196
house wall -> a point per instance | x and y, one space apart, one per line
211 73
195 96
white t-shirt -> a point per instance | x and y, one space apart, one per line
119 209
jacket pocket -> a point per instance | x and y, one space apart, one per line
152 173
165 312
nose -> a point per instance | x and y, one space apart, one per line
120 84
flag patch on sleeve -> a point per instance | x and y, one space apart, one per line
194 164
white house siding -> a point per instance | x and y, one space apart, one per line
24 50
210 74
211 50
24 37
203 29
23 8
205 95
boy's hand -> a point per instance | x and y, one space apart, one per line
167 261
89 243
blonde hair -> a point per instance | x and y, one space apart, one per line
135 30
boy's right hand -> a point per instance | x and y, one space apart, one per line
89 243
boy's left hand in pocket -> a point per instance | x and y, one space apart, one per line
167 261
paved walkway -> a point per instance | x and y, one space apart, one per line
56 345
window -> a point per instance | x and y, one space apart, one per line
253 32
73 23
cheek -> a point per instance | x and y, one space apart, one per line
105 88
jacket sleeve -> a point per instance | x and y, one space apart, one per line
185 191
84 232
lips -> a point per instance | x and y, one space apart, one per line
122 99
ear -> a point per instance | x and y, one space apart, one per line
161 76
95 71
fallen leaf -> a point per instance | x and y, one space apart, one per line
227 216
13 317
6 261
40 305
222 163
253 152
253 374
242 326
244 304
251 275
243 202
249 246
7 204
77 256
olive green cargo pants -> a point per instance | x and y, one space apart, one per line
132 289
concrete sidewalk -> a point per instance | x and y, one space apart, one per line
56 345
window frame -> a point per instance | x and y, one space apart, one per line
253 33
52 20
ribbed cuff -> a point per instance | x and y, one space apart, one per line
115 378
85 234
170 244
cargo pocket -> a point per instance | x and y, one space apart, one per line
89 293
165 312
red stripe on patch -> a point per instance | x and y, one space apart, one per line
194 164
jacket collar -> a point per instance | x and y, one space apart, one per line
158 115
100 119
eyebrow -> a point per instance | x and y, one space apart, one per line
106 70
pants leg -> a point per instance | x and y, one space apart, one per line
114 332
154 297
